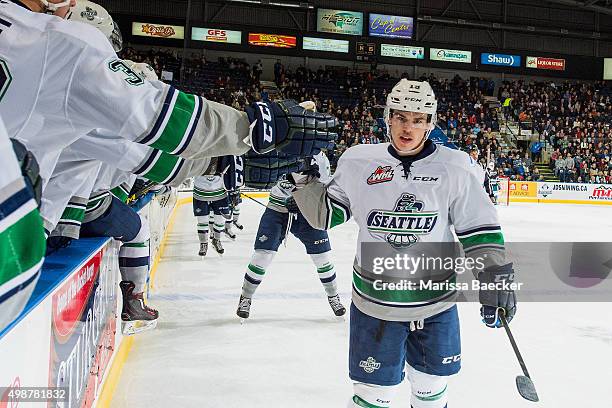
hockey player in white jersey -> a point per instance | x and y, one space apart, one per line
22 241
68 82
404 193
280 216
209 195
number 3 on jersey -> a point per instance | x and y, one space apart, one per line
131 78
5 78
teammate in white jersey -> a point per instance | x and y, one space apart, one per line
68 82
282 215
22 241
407 194
209 195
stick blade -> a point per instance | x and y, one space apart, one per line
526 388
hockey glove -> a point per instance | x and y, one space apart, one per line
57 242
29 169
292 206
264 170
306 175
499 300
290 128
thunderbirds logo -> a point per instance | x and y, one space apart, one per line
381 175
89 13
402 226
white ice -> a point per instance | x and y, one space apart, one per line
293 353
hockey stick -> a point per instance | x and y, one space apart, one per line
524 384
257 201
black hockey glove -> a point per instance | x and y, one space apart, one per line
289 128
55 243
292 206
499 299
306 175
234 198
29 169
264 170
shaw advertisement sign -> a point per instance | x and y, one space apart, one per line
546 63
83 326
382 25
216 35
339 22
442 54
500 60
272 40
158 30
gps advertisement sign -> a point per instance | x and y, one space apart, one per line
441 54
340 22
503 60
216 35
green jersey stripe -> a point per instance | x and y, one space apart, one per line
377 291
73 214
162 168
177 128
22 246
485 238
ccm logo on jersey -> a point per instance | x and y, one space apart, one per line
426 179
266 117
381 175
452 359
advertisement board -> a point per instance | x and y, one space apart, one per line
545 63
443 54
524 189
325 44
83 326
158 30
383 25
574 191
607 74
340 22
272 40
216 35
503 60
402 51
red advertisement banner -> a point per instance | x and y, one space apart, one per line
272 40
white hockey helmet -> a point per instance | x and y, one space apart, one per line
88 12
143 69
412 96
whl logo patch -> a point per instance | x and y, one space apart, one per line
381 175
370 365
402 226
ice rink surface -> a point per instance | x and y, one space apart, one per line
292 352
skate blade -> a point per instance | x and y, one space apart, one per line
137 326
339 319
242 321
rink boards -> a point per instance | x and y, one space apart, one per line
69 334
560 193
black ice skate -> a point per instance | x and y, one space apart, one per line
336 305
228 232
136 316
238 225
216 243
244 307
203 249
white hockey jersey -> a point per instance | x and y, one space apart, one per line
22 241
62 80
398 204
209 188
282 190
